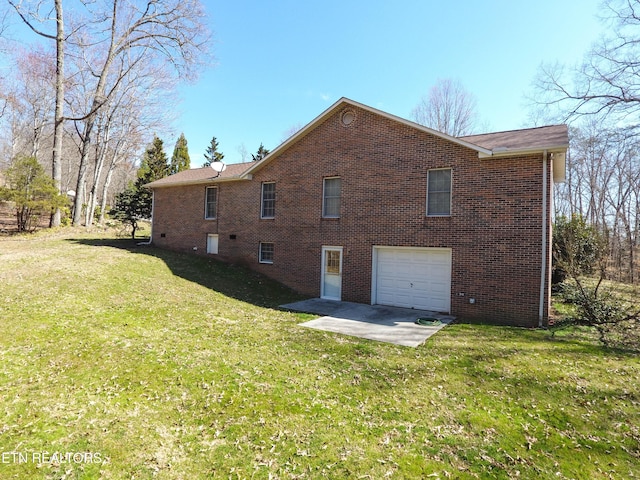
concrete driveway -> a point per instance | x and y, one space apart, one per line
373 322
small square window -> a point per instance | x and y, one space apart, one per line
331 197
266 252
439 192
268 200
211 203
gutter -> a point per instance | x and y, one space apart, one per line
543 269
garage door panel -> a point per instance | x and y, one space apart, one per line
414 278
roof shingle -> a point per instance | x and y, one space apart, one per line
530 138
201 175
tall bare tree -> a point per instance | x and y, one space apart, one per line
34 15
603 187
448 108
607 81
127 37
108 43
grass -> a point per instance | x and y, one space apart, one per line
170 366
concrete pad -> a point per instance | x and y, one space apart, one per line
374 322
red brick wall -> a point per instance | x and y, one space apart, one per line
494 229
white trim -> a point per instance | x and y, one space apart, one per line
324 181
262 201
510 152
326 248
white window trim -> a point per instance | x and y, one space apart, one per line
324 185
260 260
206 194
450 194
262 201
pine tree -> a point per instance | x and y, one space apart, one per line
212 154
135 203
154 164
261 153
180 159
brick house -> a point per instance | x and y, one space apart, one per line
367 207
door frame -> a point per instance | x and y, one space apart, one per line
326 249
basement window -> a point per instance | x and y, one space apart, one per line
266 252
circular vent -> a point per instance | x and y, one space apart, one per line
348 117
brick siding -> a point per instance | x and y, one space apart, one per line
494 230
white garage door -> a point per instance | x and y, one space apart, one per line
413 278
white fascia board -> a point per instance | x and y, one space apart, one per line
510 152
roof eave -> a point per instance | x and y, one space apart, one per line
510 152
203 181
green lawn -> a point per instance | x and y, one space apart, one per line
161 365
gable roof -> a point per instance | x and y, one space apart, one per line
340 104
553 139
195 176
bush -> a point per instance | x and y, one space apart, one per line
616 320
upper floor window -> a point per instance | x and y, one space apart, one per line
268 209
439 192
331 197
211 203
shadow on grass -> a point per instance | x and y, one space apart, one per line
238 282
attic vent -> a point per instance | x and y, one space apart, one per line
348 117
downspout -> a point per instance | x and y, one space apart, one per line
153 204
543 269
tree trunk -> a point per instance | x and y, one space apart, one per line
56 167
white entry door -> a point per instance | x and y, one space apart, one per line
331 286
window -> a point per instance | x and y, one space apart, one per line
266 252
332 261
211 203
268 200
439 192
331 198
212 243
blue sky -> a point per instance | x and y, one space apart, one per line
279 64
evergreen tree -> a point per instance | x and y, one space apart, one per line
155 164
212 154
131 206
180 159
32 192
262 152
135 203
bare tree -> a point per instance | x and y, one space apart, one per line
32 101
606 82
108 43
124 39
603 187
32 15
291 131
448 108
